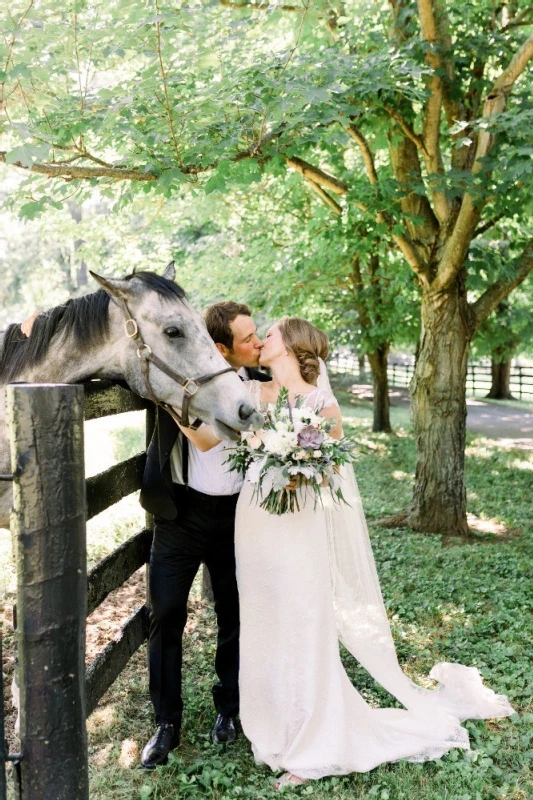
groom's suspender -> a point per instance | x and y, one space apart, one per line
185 460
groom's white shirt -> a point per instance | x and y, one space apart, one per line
207 471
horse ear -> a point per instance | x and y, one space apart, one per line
114 287
170 272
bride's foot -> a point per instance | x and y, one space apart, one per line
288 779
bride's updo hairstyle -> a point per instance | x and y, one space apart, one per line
305 342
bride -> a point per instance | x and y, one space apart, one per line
307 580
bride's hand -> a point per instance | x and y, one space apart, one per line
301 480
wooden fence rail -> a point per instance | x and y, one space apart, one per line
478 379
104 490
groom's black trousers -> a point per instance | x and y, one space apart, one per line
204 530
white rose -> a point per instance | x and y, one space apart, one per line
272 441
299 455
298 425
317 453
281 426
279 442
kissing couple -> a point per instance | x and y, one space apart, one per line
287 590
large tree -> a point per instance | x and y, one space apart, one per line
429 99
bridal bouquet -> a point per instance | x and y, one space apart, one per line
292 447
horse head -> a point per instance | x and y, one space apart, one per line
161 338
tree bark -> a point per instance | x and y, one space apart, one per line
380 382
438 404
501 376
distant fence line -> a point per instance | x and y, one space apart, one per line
479 378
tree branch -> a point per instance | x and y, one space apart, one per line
521 19
68 173
499 290
437 41
470 213
406 128
328 200
358 286
368 158
488 225
164 76
317 175
261 6
404 243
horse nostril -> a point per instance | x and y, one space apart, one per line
245 411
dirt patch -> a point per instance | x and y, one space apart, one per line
102 625
106 620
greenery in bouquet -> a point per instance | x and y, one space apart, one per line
292 457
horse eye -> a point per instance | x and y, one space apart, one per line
173 333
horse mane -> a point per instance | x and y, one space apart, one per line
85 318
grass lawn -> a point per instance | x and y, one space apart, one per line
447 600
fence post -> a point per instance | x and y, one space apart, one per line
46 432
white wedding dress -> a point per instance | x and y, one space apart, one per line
307 580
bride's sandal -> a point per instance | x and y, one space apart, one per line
288 779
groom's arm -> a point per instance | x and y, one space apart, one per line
203 438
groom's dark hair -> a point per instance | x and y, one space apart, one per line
218 318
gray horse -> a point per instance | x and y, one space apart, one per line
87 338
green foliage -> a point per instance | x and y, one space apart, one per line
210 100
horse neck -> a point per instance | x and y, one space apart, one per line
67 362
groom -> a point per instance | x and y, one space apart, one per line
193 498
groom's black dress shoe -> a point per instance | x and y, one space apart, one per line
156 751
224 730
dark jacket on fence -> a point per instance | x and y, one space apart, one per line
157 490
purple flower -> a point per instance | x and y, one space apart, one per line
310 437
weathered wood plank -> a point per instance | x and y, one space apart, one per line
103 398
107 667
113 570
46 434
107 488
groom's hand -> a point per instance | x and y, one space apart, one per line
27 325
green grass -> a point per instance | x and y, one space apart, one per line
467 602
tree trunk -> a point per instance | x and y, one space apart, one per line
380 382
438 403
501 377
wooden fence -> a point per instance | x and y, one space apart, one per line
478 379
54 594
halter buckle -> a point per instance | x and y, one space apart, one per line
144 350
187 387
135 330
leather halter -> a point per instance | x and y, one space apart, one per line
189 385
